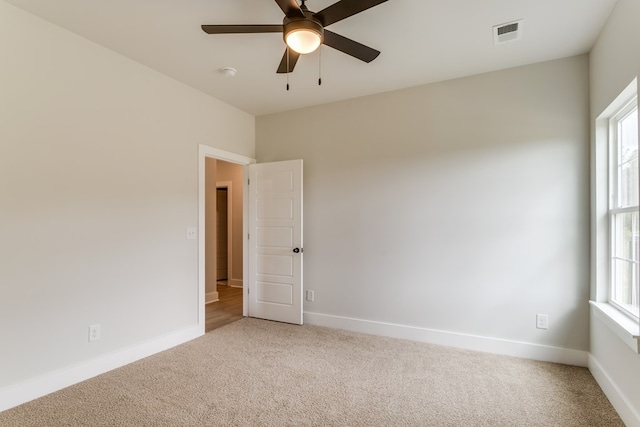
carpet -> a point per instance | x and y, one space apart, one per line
260 373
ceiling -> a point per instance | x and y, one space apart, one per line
421 41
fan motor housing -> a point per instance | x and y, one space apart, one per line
307 23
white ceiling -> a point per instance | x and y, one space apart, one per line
421 41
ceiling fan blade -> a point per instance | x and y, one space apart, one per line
290 8
350 47
293 58
344 9
240 29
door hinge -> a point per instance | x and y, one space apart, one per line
249 182
248 236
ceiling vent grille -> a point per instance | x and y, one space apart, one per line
509 32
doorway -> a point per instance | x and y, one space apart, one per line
227 307
276 196
221 238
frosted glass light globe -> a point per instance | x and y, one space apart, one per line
303 40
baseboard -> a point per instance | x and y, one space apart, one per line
211 297
235 283
452 339
623 405
24 392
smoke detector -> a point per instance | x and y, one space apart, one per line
228 71
508 32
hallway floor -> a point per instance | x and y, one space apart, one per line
228 309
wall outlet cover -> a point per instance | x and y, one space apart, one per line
94 333
192 233
542 321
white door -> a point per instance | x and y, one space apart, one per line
275 241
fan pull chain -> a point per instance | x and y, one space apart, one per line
320 66
287 67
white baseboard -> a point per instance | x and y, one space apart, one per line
211 297
452 339
622 404
235 283
24 392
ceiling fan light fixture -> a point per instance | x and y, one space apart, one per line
304 35
303 41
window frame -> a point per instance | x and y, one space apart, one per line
623 326
614 210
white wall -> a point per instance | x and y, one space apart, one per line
98 182
459 206
614 63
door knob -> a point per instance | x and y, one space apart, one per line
297 250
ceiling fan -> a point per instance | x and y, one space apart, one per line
304 30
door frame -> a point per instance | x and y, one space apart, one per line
205 151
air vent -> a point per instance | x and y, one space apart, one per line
505 33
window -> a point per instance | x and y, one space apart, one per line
624 195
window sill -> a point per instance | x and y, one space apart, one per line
624 327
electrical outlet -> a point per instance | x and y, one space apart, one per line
542 321
192 233
310 295
94 333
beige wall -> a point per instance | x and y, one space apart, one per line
98 183
460 206
614 63
217 171
615 58
210 229
231 172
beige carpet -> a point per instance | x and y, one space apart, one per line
259 373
